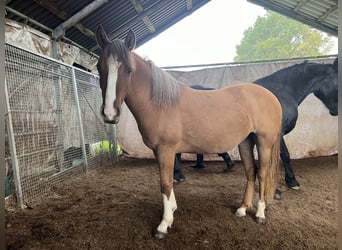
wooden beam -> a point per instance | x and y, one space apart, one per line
138 8
327 13
300 5
64 16
189 4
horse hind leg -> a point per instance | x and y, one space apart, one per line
166 165
246 154
268 155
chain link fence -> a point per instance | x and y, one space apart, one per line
53 128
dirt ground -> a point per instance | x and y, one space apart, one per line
120 206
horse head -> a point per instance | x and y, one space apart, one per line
327 87
115 66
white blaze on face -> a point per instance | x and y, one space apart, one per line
113 67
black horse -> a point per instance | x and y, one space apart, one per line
292 85
177 173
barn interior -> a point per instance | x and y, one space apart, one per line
64 31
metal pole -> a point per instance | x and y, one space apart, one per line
13 150
74 83
59 109
60 29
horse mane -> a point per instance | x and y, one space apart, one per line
287 73
165 88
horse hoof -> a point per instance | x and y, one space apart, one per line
227 170
295 188
261 220
160 235
178 180
240 212
277 194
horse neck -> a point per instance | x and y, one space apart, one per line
138 93
298 81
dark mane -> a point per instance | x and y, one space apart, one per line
302 71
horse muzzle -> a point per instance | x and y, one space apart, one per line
111 115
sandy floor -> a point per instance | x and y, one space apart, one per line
120 206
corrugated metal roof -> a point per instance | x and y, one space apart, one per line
148 18
321 14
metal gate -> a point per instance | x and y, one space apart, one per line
53 130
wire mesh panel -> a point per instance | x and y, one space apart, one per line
90 100
46 131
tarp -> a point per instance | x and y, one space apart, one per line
24 36
314 135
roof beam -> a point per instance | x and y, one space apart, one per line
300 5
64 16
59 31
327 13
290 13
146 19
189 4
133 21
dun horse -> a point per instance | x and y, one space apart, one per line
173 118
178 175
292 85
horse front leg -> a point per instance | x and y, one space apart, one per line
290 178
166 166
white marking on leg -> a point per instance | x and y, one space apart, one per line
240 212
170 205
261 210
113 67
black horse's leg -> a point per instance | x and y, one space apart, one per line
290 178
177 171
229 163
199 161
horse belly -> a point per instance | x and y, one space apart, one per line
217 134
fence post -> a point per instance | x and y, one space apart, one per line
74 84
60 133
13 151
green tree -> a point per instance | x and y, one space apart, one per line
275 36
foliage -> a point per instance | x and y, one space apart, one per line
275 36
105 146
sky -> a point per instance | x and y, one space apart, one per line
208 35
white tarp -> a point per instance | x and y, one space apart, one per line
314 135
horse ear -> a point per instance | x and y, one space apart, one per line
335 64
130 40
101 37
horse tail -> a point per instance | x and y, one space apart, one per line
272 178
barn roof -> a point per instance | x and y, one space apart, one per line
320 14
147 18
77 20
